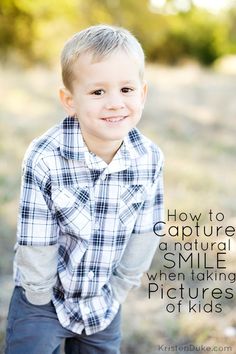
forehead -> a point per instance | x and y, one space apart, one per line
119 66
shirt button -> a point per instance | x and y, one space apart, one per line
90 274
103 177
86 310
96 225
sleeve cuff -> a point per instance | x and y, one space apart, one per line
120 288
37 298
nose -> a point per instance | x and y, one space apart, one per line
114 101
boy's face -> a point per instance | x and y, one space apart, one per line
108 97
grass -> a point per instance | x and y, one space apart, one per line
190 113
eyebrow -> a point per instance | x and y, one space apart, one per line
104 83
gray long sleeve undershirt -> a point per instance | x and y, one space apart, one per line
38 268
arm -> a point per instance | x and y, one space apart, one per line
142 244
37 232
38 268
135 261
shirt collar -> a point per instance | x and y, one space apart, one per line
72 146
134 144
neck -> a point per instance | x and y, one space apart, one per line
105 150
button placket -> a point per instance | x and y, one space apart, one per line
96 225
86 310
103 176
90 275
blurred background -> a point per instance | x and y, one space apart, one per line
190 47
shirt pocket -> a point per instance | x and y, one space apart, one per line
72 210
131 200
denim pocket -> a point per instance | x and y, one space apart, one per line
12 312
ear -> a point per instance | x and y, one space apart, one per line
67 101
144 92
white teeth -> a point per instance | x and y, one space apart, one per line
114 120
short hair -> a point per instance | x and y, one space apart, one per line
100 40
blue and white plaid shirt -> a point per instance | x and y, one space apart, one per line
72 198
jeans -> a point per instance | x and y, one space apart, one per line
35 329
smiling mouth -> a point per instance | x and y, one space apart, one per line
114 119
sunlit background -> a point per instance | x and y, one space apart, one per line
213 6
190 48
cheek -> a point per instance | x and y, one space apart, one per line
89 109
136 105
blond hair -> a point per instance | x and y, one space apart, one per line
100 40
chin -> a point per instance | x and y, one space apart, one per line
114 137
118 133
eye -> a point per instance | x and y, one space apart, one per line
99 92
127 89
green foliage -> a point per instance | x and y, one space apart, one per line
232 30
36 30
15 28
206 36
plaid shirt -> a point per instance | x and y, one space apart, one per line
72 198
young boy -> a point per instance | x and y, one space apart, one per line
91 193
